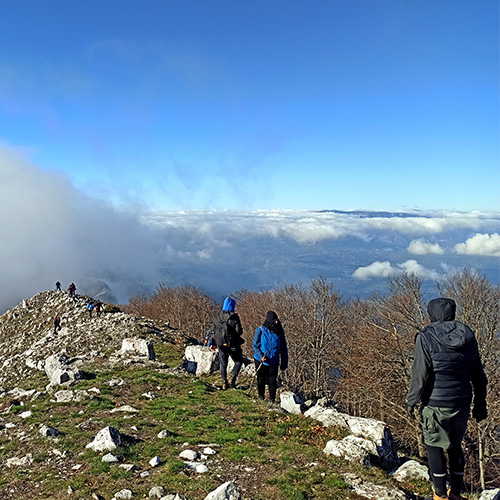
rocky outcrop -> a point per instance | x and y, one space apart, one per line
27 335
107 439
372 430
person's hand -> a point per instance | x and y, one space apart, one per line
480 412
212 347
410 411
263 359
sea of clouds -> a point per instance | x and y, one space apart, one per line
53 231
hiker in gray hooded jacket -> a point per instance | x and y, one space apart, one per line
447 374
227 336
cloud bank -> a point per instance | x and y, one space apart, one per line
53 231
481 244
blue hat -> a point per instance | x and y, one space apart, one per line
229 304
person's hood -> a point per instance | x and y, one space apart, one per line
441 309
451 334
229 304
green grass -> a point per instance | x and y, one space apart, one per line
245 435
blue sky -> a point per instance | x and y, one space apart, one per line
245 105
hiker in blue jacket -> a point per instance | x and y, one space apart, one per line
270 353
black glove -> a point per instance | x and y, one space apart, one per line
479 412
409 410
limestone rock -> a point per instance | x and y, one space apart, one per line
370 490
155 461
61 371
203 360
123 495
490 494
197 467
48 431
20 462
138 347
109 458
164 434
189 455
226 491
410 470
68 396
374 430
348 450
157 492
107 439
292 403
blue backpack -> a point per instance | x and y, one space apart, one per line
270 345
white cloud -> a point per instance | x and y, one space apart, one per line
481 244
420 247
374 270
385 269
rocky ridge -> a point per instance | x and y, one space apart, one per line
27 336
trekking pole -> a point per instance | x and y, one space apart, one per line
255 374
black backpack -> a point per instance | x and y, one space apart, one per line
225 335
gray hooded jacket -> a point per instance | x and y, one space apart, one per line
447 364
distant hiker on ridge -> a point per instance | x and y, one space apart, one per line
58 286
98 308
57 323
269 346
227 337
90 308
72 290
446 368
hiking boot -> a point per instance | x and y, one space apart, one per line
233 383
452 496
224 385
437 497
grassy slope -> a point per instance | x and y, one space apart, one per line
267 453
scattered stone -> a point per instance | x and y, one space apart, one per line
95 496
155 461
226 491
411 470
129 467
209 451
94 389
490 494
197 467
125 408
146 473
26 414
109 458
123 495
149 395
157 492
68 396
164 434
189 455
70 490
47 431
107 439
370 490
20 462
201 360
116 382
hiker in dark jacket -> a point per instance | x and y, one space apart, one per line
58 286
447 373
227 337
98 308
270 352
57 323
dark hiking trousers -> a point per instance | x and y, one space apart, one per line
267 375
236 356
